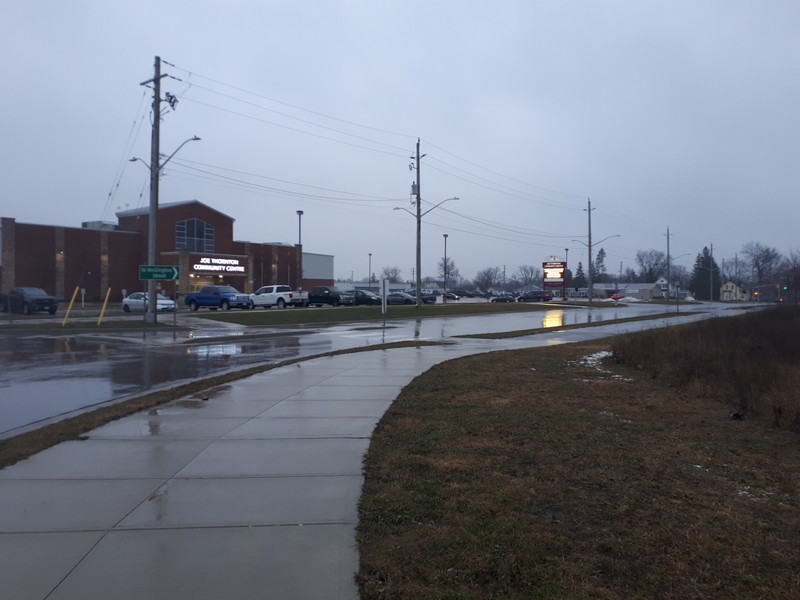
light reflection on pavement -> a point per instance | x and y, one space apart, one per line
50 376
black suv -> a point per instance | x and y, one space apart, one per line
27 300
333 296
535 296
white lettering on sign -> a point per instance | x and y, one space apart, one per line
210 264
219 268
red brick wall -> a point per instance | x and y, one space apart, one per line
35 260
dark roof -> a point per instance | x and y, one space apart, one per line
145 210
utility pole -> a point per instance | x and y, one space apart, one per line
591 266
668 269
418 280
151 315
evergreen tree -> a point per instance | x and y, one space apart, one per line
579 280
599 275
705 282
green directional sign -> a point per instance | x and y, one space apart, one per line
159 273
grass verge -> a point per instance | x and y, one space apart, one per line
547 474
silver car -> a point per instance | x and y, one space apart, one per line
137 301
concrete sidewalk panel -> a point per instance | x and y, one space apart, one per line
107 459
314 562
181 426
274 458
307 427
365 391
69 505
249 502
32 564
329 408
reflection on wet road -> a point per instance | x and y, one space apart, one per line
45 377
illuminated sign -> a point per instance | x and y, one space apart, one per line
209 264
554 271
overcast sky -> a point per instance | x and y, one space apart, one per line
681 113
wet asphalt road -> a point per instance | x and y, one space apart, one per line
49 376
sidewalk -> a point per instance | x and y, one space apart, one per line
249 493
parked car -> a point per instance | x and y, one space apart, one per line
452 296
277 295
504 298
617 297
217 296
137 301
331 295
400 298
27 300
428 296
535 296
365 297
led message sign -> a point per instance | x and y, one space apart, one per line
554 271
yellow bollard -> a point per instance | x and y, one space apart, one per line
69 308
103 310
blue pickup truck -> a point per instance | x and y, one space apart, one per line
217 296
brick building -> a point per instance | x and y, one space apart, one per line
99 256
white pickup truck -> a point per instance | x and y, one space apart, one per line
277 295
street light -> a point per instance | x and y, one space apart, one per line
299 249
444 297
589 246
151 316
369 273
418 216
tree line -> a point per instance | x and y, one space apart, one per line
757 267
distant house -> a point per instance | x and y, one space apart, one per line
730 292
641 291
663 287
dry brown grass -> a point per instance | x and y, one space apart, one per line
750 362
532 475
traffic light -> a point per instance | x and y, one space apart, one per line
785 288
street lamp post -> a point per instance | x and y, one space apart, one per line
151 316
444 297
299 249
589 246
418 216
369 273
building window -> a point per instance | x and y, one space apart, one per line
194 235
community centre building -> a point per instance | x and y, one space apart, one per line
190 235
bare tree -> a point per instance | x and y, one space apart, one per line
528 275
765 261
630 276
488 278
680 274
391 273
652 264
453 274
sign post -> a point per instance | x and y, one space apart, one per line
160 273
